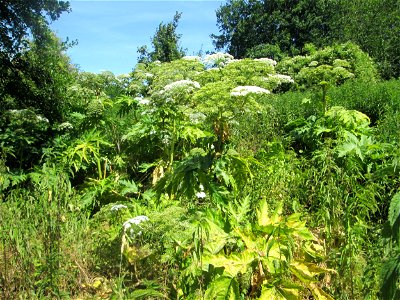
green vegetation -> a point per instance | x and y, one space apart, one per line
200 177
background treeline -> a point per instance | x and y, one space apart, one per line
271 172
257 28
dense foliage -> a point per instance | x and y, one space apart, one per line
200 178
253 28
165 43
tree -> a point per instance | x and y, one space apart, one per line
165 43
285 23
34 93
18 18
374 25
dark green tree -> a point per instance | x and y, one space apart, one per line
34 95
29 68
20 17
288 24
165 43
374 25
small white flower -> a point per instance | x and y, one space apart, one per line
117 207
201 195
248 89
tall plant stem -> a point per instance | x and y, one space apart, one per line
172 147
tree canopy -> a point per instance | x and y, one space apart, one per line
165 43
289 24
18 18
254 27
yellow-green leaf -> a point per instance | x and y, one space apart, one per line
223 288
319 294
233 264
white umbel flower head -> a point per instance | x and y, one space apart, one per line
248 89
117 207
268 61
280 78
65 126
42 119
201 195
181 84
134 223
192 57
218 59
142 101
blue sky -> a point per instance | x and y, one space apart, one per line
109 32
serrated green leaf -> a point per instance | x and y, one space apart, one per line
129 187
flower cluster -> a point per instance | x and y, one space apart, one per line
42 119
188 85
134 222
201 194
197 117
217 59
248 89
279 78
65 126
117 207
192 57
268 61
142 101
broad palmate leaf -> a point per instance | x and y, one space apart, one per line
223 288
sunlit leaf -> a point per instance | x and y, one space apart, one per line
223 288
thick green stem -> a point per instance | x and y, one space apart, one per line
324 86
172 147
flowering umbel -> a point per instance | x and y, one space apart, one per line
248 89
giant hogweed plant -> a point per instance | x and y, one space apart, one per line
226 87
276 257
334 64
205 178
346 190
